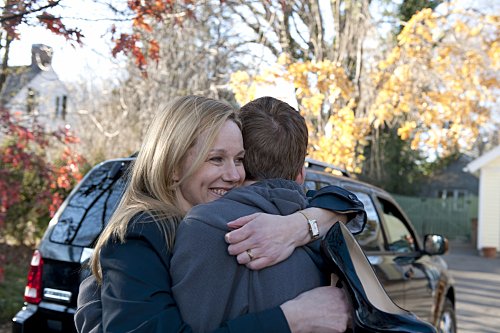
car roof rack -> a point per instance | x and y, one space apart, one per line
322 166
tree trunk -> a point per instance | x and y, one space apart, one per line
5 60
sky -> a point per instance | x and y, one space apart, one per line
73 62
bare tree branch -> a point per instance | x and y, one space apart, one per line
12 16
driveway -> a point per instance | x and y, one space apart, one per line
477 282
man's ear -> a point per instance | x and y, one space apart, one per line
301 177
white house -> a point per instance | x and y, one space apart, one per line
488 165
35 92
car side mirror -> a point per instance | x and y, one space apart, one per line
435 244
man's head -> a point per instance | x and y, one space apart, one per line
275 138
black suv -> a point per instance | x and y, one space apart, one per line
411 270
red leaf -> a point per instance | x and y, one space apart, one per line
55 25
154 50
138 22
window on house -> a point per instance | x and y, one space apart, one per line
64 102
32 100
455 199
58 108
459 200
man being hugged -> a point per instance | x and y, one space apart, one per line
209 285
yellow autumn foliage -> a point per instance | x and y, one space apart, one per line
325 96
324 93
243 87
438 85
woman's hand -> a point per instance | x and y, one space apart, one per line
320 310
269 239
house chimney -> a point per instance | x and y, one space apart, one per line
41 56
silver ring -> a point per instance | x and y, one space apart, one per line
250 255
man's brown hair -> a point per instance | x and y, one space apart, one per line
275 139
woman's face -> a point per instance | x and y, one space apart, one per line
220 172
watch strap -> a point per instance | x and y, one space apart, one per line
313 226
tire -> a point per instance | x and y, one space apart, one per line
448 319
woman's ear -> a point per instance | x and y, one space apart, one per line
176 176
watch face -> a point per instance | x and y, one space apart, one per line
314 228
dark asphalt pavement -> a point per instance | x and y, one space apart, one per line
477 282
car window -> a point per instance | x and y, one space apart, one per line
309 185
314 185
321 185
399 238
91 205
370 238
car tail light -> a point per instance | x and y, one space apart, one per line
33 290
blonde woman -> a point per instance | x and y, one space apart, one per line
192 153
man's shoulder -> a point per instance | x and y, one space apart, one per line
264 191
214 214
280 184
202 229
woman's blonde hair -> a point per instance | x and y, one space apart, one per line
152 188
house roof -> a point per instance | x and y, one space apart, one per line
17 78
451 177
482 160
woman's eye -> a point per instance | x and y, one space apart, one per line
239 161
216 159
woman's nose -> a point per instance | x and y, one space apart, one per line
231 173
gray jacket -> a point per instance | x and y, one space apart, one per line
210 286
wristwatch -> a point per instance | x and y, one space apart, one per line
313 227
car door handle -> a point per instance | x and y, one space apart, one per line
409 273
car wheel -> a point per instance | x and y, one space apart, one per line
448 320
